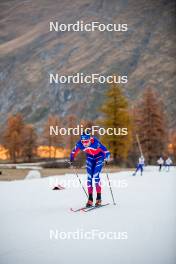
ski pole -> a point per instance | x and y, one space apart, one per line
110 188
139 144
80 182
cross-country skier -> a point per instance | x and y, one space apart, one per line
160 162
140 165
168 163
96 154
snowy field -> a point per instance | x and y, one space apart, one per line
37 226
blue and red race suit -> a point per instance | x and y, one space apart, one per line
96 153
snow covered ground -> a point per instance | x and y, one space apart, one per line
37 226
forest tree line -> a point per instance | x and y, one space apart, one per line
146 118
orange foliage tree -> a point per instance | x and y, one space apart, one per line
151 125
52 140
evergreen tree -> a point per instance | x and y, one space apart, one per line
116 115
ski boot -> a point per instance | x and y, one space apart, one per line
98 200
90 201
98 203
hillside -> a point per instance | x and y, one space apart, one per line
29 52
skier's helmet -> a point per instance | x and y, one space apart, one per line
85 136
85 139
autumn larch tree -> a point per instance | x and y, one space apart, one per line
151 125
13 139
30 142
173 144
116 115
71 122
53 141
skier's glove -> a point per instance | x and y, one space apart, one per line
105 161
70 162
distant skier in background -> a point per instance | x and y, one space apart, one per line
96 154
140 165
160 162
168 163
